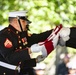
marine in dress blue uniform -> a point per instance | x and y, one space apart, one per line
14 47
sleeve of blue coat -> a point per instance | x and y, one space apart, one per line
47 46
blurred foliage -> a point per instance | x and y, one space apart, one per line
44 14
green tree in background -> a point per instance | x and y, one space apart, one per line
44 14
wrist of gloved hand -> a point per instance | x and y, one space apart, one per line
39 58
64 33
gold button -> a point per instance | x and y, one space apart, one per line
25 43
16 32
4 73
20 47
19 41
8 29
18 36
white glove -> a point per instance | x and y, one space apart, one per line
64 36
64 33
35 48
40 58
